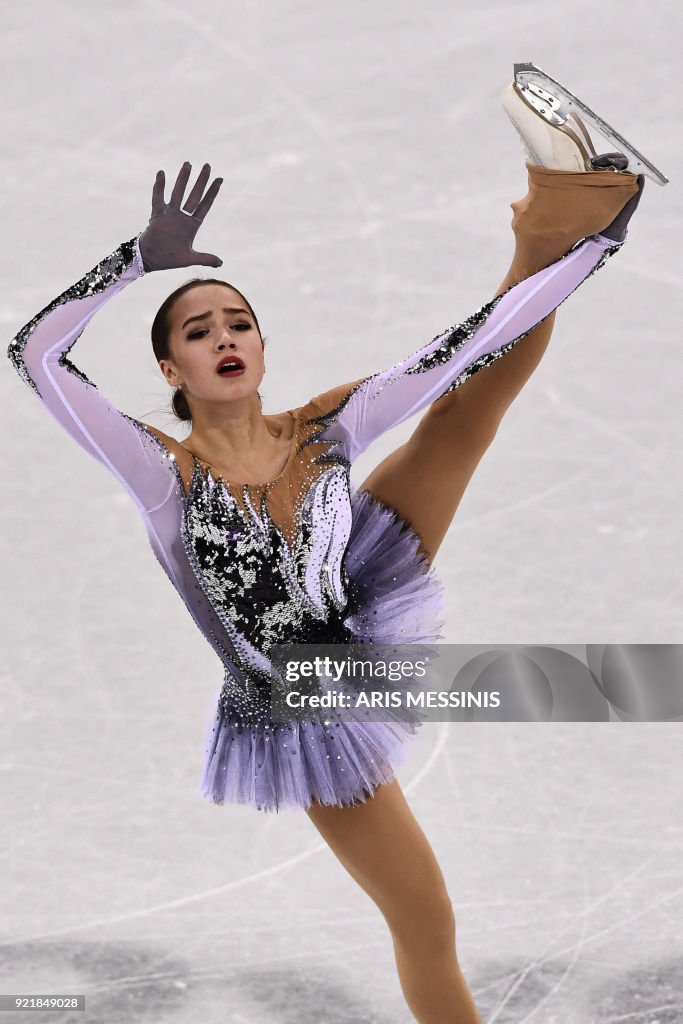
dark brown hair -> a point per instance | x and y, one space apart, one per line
160 334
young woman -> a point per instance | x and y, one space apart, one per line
253 519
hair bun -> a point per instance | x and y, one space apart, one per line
180 406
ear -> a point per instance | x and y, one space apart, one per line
169 373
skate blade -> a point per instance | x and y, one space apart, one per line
535 82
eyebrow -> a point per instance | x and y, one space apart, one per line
203 316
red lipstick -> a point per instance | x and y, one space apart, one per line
237 366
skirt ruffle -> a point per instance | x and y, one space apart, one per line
394 597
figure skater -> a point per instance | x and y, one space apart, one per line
253 519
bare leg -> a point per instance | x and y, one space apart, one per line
383 848
451 438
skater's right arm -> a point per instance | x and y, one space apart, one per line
39 352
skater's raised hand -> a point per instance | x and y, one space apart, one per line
167 240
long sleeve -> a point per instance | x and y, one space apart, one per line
353 415
39 353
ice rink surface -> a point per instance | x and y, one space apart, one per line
368 173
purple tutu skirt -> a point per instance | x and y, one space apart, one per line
397 599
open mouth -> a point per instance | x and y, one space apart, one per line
230 368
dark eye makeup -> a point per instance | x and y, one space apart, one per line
197 334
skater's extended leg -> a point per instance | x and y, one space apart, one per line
385 851
443 452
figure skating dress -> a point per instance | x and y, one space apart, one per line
302 559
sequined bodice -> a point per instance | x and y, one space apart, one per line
276 582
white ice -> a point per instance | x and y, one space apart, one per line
368 173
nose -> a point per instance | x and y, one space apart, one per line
225 339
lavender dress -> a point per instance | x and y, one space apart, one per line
302 559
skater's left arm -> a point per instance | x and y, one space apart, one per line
476 410
369 407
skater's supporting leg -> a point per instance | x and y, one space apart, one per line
385 851
444 450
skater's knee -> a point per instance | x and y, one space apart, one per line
427 922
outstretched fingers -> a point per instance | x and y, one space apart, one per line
158 194
180 185
207 202
199 186
195 205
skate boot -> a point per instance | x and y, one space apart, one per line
553 126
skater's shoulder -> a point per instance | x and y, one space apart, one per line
166 439
328 402
172 446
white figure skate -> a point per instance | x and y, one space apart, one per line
550 121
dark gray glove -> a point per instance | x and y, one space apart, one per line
166 242
617 229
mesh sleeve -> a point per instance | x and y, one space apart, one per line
363 410
39 353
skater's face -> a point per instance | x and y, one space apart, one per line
207 324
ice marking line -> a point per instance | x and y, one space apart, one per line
637 1014
530 966
604 426
172 904
539 961
529 499
270 872
620 923
572 962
